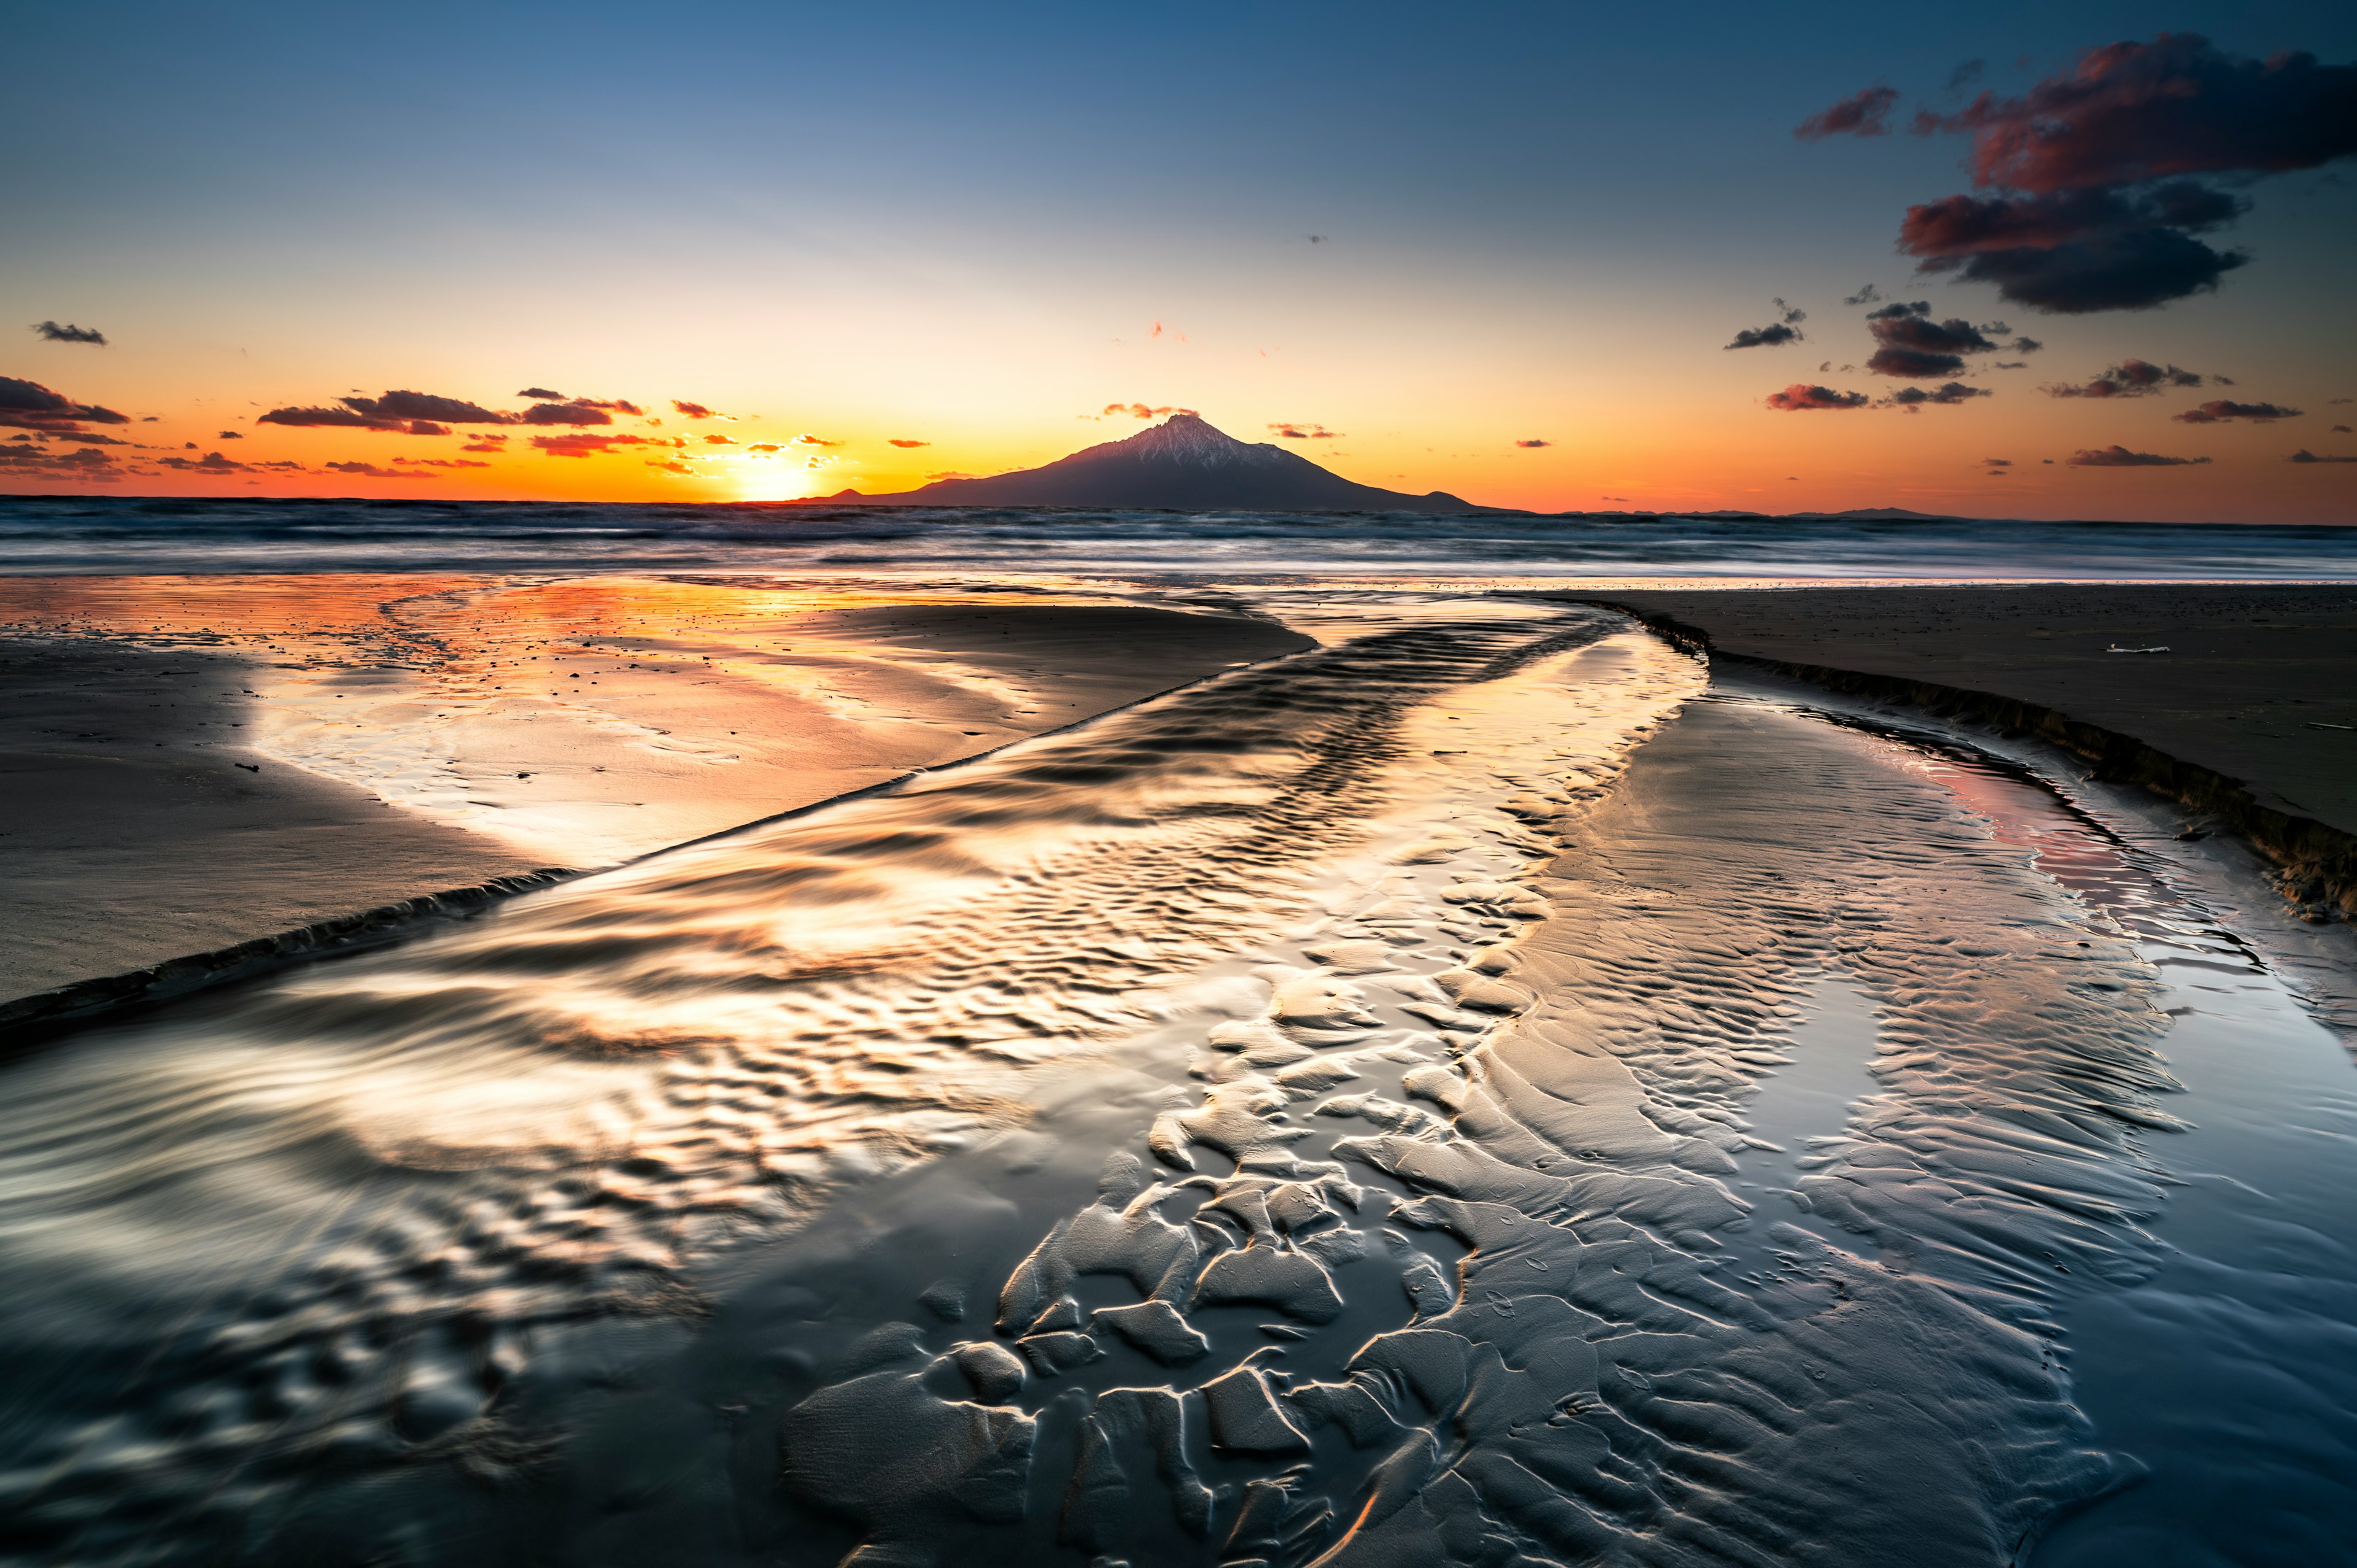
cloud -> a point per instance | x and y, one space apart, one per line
440 462
671 466
584 444
1766 337
486 442
29 406
2130 378
951 474
720 441
1912 344
1862 113
1140 411
343 418
1913 398
1971 71
2340 430
1313 431
418 405
371 471
2132 112
2305 455
544 394
2097 206
1533 442
573 411
52 332
697 411
1801 398
2221 410
2117 456
1867 295
89 464
903 443
807 439
230 434
765 446
211 463
1998 462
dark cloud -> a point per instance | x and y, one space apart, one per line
87 465
904 443
486 442
1913 398
371 471
1766 337
29 406
2221 410
544 394
1998 462
2025 346
697 410
1313 431
342 418
1533 442
1910 343
1864 113
583 444
2096 209
2132 112
2341 430
2131 378
211 463
576 413
2305 455
402 406
1970 71
230 434
1867 295
1801 398
52 332
2117 456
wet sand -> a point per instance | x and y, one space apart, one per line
191 764
2259 682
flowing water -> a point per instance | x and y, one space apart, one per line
1470 1093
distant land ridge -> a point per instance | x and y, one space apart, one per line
1182 464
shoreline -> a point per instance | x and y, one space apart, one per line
161 838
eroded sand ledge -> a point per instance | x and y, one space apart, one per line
2250 717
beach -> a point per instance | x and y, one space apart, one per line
190 765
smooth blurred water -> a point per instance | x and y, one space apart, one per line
41 534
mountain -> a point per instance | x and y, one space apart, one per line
1183 465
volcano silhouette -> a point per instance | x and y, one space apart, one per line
1183 465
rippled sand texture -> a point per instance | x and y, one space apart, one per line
330 1215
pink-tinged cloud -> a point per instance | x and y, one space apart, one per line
1142 410
2130 378
904 444
1864 113
2118 456
1533 442
583 445
1912 344
572 413
29 406
697 410
2132 112
2221 410
1802 398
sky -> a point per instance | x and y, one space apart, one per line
1502 251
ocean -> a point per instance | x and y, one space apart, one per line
132 534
